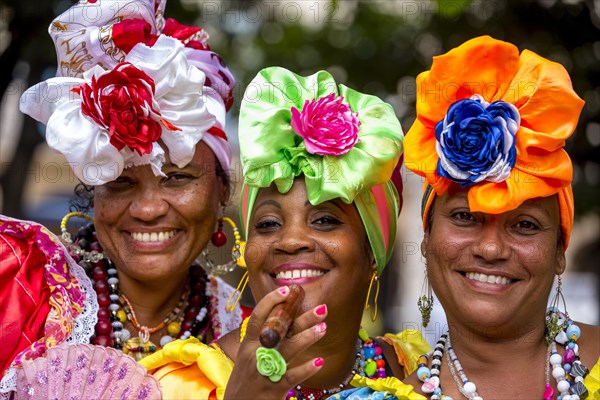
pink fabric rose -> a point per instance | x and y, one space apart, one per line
327 125
122 102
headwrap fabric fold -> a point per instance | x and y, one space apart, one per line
273 153
191 90
549 109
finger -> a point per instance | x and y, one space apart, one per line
298 374
296 344
262 310
308 319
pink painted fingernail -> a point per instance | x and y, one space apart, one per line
320 327
283 290
321 310
318 362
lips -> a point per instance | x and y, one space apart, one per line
485 278
153 236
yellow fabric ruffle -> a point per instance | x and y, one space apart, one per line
592 382
390 384
409 345
189 369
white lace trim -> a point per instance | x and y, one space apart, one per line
83 326
8 383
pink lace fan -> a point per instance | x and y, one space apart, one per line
85 371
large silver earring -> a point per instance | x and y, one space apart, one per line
556 321
425 302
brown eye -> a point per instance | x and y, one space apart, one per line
464 216
122 182
267 225
178 177
327 220
527 226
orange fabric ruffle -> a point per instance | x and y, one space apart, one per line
549 108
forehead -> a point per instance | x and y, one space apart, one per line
203 156
296 198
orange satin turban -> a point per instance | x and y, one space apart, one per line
536 107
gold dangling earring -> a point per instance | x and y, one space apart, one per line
556 321
367 305
425 302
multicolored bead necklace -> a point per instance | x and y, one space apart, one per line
115 309
369 362
567 369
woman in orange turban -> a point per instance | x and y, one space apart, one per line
497 213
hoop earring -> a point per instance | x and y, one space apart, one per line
425 302
92 256
219 239
237 293
556 320
367 305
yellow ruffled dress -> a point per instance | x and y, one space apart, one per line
189 369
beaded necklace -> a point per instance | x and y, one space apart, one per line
188 318
568 370
369 362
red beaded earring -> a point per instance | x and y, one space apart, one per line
219 238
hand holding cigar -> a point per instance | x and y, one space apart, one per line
281 318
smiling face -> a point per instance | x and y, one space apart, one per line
323 248
153 227
491 270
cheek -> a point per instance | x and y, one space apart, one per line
539 258
200 202
106 209
255 254
444 252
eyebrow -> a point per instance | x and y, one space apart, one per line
267 203
534 206
332 202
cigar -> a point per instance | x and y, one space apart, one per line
281 318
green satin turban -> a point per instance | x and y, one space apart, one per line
358 170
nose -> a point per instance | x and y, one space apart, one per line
295 238
492 246
148 204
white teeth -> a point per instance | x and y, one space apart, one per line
153 237
495 279
299 273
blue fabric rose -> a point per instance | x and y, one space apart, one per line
476 141
364 393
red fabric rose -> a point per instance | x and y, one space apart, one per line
130 32
122 101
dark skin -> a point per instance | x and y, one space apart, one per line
288 232
184 203
493 331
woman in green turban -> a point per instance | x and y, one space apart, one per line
319 207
